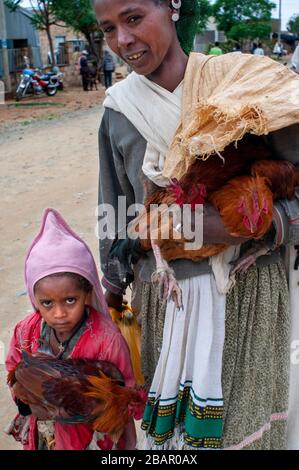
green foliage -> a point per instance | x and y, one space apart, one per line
246 19
77 14
250 30
205 11
293 24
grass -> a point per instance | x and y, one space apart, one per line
47 117
30 104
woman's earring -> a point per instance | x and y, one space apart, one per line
176 4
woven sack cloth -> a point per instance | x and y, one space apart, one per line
226 97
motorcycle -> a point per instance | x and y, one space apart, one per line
55 76
31 82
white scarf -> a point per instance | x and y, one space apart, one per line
154 112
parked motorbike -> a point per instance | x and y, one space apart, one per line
55 76
32 82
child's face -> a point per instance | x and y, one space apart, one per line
60 302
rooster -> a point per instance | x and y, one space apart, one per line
242 186
74 391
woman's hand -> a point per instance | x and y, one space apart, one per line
214 230
114 300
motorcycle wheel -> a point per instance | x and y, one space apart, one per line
20 93
51 91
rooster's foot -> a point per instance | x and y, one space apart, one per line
249 258
168 286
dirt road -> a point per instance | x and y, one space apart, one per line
43 164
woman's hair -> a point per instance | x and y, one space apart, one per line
81 282
187 24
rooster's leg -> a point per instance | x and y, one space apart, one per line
164 277
248 259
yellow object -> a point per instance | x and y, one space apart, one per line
131 331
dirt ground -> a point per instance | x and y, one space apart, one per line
44 108
46 161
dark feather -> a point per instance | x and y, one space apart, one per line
127 251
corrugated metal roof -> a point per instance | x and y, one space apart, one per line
19 26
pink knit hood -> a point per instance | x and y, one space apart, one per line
56 249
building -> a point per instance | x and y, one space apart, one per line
64 42
19 38
209 36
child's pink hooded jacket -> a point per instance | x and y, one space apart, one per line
58 249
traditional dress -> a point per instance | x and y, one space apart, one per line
58 249
217 379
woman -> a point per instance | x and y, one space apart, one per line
227 385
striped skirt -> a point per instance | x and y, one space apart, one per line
255 360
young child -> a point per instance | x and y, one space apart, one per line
71 315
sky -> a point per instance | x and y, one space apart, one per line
289 7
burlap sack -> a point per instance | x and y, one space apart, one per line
226 97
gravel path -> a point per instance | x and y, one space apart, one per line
46 163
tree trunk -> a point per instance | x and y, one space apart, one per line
53 56
93 46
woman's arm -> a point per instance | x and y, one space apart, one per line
214 231
285 146
113 184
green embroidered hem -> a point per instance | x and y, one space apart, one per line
202 425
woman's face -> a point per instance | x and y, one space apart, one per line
141 32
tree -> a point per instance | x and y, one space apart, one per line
293 24
41 16
79 15
246 19
205 13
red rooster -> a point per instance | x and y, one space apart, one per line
242 187
76 391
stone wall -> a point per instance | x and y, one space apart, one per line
69 35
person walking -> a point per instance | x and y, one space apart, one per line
216 50
108 68
259 50
295 59
83 63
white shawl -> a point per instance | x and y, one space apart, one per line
154 111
